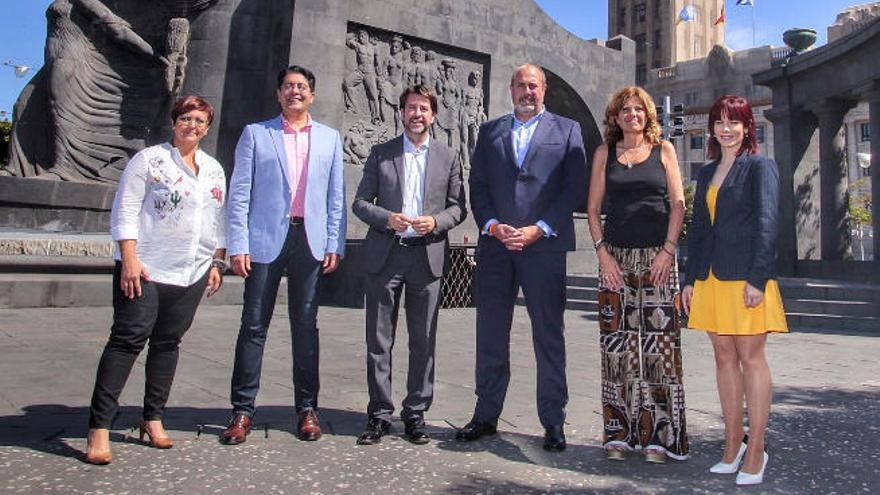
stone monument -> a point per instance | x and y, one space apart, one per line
113 68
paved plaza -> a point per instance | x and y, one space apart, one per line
823 437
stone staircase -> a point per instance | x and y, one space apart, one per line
811 305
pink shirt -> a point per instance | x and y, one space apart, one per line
296 146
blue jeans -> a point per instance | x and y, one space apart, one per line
260 290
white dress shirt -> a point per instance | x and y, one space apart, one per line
415 159
176 216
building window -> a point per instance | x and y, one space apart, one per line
695 169
759 134
691 98
641 74
657 8
656 64
641 40
639 12
696 141
865 132
622 19
657 39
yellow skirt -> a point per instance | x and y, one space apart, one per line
719 306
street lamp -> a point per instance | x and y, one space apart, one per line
20 70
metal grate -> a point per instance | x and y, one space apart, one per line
458 287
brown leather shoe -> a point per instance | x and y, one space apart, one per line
237 431
308 428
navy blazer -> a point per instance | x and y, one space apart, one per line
741 243
549 186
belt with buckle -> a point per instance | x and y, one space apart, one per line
412 241
296 220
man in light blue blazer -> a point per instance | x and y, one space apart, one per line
286 213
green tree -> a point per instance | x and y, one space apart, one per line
860 209
689 190
5 132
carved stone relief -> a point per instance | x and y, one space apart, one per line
380 65
112 71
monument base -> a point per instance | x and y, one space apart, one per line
54 206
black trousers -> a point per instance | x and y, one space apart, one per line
160 316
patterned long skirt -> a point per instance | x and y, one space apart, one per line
640 340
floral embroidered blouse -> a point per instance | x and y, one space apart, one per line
177 217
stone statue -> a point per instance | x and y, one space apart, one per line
104 91
474 114
385 63
175 49
450 116
391 85
365 73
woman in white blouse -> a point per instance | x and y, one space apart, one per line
168 220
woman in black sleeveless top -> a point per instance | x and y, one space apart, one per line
636 176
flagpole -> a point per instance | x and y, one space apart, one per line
754 43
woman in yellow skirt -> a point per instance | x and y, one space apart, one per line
730 288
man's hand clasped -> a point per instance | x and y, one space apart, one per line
423 225
516 239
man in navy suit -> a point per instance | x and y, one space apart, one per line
528 175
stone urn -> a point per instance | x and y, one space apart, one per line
799 39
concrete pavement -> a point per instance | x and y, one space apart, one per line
823 432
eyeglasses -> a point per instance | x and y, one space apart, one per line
188 120
304 87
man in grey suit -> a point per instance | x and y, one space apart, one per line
528 175
411 195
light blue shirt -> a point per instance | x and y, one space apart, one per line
521 135
415 159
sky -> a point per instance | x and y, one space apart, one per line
23 28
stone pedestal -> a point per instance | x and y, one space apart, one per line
53 205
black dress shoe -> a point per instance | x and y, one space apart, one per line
474 430
415 431
554 438
374 431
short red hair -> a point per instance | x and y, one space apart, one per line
733 107
188 104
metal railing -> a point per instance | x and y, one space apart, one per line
458 287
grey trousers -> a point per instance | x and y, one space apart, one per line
406 271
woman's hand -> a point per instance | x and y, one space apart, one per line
215 281
130 278
686 295
752 296
609 270
660 267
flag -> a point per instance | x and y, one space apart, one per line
687 14
745 2
720 19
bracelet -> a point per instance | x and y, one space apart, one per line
598 244
491 229
220 264
670 253
669 241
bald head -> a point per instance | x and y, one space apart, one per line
532 68
527 88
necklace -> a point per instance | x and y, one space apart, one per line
625 155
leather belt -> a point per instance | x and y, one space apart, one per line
296 220
412 241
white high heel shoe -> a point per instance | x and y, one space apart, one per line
744 478
731 467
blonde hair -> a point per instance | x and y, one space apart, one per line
613 132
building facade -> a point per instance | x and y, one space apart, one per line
660 40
